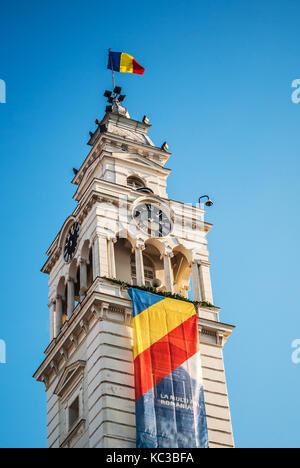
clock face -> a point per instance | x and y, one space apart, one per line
152 220
71 242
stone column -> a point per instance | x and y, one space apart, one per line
52 318
111 256
83 277
205 282
139 264
196 281
186 289
100 257
58 315
169 281
95 256
70 297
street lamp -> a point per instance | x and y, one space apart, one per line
208 202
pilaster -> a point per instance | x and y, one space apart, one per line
58 315
100 256
169 280
140 275
196 281
205 281
71 297
111 257
83 277
52 318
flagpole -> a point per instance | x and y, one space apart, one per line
112 68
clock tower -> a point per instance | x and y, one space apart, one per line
124 231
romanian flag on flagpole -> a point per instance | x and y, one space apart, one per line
124 63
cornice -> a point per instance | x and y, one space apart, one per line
110 156
87 162
147 149
119 141
96 307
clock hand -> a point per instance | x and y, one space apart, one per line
149 218
160 216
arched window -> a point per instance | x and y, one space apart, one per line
135 182
149 270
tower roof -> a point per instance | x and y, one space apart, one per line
120 124
117 121
117 133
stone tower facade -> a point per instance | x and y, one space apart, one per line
124 230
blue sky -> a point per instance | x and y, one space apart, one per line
217 87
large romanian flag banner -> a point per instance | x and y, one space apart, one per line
170 407
124 63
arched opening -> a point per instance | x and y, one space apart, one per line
123 249
74 273
77 287
152 253
135 182
87 257
149 270
153 264
62 292
90 275
181 271
126 266
65 306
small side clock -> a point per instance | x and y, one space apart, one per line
71 243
